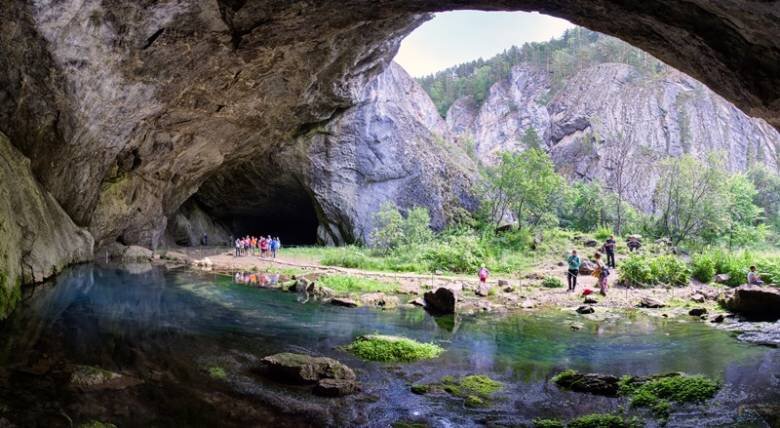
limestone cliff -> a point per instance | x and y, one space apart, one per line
613 110
37 238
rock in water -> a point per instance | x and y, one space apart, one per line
440 302
697 312
336 387
649 302
379 300
590 300
88 378
591 383
483 290
304 369
756 303
343 301
585 309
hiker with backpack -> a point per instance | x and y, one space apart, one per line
601 273
609 248
574 270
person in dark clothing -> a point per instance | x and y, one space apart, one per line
205 240
574 270
609 248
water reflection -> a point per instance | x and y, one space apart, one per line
162 325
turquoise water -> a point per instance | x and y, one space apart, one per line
168 327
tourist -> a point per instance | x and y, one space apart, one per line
274 246
753 277
483 275
609 248
238 247
601 272
205 240
263 247
633 243
574 270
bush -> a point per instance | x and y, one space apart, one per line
670 270
463 254
602 233
703 268
552 282
635 271
393 230
393 349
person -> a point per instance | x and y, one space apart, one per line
601 272
238 247
574 270
205 240
274 247
609 248
263 247
753 277
483 274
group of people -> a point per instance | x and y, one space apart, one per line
601 270
260 247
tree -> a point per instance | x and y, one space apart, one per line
392 230
690 198
620 162
531 139
744 228
523 184
767 185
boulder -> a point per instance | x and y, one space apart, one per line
756 303
304 369
88 378
717 319
299 286
585 309
591 383
440 302
576 326
177 257
342 301
722 278
503 283
379 300
134 253
649 302
697 312
589 300
591 243
509 289
587 267
698 298
336 387
417 302
320 291
482 290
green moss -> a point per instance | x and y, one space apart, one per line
217 372
603 420
547 423
564 376
421 389
657 393
405 424
474 401
10 294
393 349
481 385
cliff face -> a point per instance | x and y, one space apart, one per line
610 111
37 238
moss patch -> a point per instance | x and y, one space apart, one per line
476 390
393 349
547 423
604 420
10 294
658 392
217 372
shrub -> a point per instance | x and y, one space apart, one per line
703 268
393 349
552 282
602 233
462 254
635 271
670 270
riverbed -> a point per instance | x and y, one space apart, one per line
170 330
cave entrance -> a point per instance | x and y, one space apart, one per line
292 218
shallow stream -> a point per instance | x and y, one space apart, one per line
168 328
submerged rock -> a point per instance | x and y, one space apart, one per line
591 383
379 300
756 303
697 312
343 301
440 302
336 387
304 369
89 378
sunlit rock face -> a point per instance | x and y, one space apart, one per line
612 110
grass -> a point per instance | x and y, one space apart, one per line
393 349
552 282
343 284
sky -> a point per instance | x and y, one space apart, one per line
452 38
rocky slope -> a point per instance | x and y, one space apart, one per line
610 111
37 238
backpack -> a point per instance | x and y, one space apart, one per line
605 271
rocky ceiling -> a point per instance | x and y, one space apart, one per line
126 108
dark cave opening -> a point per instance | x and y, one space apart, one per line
295 223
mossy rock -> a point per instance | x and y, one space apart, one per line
393 349
604 420
476 390
475 401
591 383
547 423
217 372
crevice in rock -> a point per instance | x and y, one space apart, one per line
152 38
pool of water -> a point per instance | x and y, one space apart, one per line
167 328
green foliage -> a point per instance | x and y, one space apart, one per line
217 372
388 230
577 49
602 233
603 420
564 376
344 284
767 196
642 271
703 268
526 185
548 423
349 257
585 207
531 138
393 349
459 253
552 282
